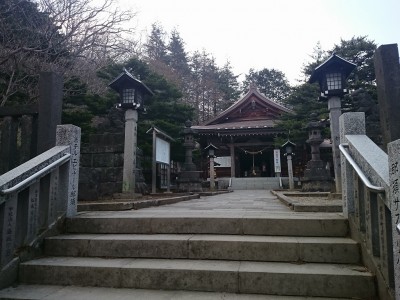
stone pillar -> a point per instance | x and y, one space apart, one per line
128 180
290 172
69 177
212 179
334 107
50 108
169 178
9 227
394 198
189 145
387 72
350 124
233 169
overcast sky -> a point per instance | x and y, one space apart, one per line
279 34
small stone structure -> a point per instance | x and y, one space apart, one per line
189 180
317 177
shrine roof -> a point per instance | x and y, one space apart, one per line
238 125
254 111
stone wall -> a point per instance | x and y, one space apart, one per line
102 161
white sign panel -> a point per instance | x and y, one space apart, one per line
277 160
224 161
162 151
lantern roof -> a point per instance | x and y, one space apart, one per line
211 146
288 143
127 80
333 63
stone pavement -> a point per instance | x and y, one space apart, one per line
237 202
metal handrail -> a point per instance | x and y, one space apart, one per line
360 173
28 181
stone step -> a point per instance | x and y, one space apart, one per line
58 292
271 278
221 247
305 224
251 183
128 204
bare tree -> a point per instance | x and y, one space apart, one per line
73 37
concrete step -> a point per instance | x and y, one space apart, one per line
58 292
223 247
306 224
271 278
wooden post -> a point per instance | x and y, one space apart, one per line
387 72
154 164
50 108
232 151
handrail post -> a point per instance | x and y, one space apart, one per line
394 196
69 174
349 123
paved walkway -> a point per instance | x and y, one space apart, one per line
236 202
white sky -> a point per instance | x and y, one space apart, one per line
279 34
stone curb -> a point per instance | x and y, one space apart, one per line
301 207
138 204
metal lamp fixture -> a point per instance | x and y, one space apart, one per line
211 150
132 91
288 147
331 76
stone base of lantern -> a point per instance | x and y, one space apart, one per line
316 178
189 181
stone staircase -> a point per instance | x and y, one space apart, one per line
255 183
181 255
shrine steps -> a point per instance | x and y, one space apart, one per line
198 256
255 183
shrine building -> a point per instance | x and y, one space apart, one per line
244 136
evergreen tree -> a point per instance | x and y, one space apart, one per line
303 102
177 57
178 61
156 50
272 83
229 86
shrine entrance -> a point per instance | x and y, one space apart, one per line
255 163
244 136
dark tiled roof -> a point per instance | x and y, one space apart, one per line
258 124
253 91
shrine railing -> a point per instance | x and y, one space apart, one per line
34 195
371 195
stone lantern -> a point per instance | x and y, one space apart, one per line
331 76
189 178
132 93
317 177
